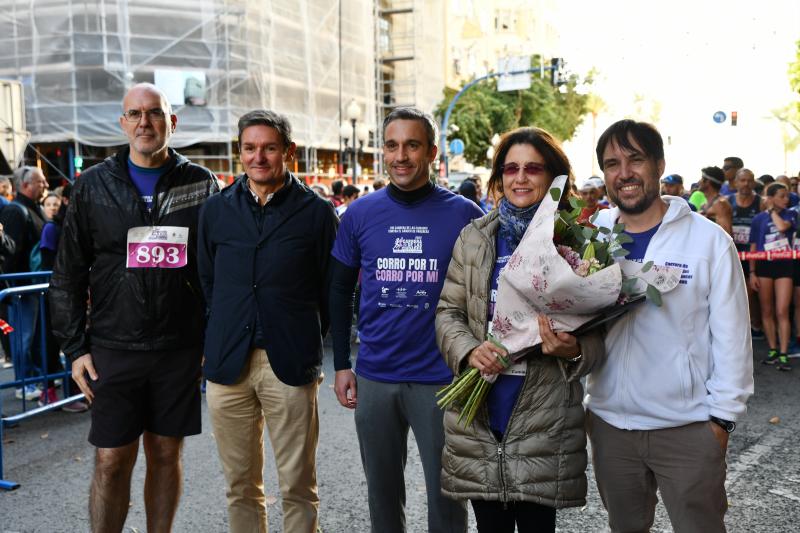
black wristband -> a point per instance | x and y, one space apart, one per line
727 425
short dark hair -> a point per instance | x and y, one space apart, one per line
766 179
350 190
413 113
621 132
336 187
555 159
734 161
714 176
266 117
774 187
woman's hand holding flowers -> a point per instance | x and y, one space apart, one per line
487 358
559 344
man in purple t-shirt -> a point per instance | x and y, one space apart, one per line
401 238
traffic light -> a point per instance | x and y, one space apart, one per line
557 71
78 162
734 117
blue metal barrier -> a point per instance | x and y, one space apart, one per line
14 296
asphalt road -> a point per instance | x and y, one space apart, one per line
50 458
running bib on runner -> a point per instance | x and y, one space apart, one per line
157 247
741 234
776 242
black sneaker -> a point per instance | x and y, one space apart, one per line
772 358
783 363
756 334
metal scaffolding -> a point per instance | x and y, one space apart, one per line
216 59
409 60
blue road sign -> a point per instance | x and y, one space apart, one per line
456 147
719 117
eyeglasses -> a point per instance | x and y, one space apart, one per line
531 169
153 115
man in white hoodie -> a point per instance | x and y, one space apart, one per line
677 377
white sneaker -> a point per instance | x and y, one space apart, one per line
31 393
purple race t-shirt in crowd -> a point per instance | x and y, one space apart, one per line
50 236
403 251
145 180
765 235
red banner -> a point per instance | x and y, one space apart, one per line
770 256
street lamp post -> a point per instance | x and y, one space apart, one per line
356 132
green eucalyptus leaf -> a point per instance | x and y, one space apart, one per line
629 286
618 228
555 194
601 253
620 252
654 295
576 203
588 232
624 238
604 230
647 266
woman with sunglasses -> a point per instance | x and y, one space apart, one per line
524 455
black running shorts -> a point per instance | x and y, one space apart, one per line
154 391
783 268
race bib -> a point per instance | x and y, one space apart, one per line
157 247
741 234
520 368
777 244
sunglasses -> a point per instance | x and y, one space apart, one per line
531 169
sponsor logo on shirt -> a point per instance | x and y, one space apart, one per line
407 246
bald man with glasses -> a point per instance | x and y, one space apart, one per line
129 240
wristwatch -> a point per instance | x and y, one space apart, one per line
727 425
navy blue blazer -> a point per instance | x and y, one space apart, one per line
281 270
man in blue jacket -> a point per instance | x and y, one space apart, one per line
265 246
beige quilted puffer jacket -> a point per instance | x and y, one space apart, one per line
542 457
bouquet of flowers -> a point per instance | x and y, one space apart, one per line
567 270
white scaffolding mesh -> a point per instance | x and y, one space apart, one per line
75 59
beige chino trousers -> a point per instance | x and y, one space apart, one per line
238 413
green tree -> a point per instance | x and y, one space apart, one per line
789 117
482 111
794 74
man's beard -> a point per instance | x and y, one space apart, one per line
641 205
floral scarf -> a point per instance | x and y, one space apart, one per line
514 221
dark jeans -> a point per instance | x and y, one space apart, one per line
529 517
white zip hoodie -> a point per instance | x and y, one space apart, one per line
692 357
